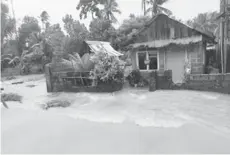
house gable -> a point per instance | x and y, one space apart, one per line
164 28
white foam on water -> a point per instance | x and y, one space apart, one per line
210 97
148 122
98 118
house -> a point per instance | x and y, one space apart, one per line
167 44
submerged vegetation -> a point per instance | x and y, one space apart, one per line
10 97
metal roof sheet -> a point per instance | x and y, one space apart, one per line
99 46
163 43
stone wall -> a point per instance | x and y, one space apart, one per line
209 82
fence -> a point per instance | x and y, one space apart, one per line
70 81
209 82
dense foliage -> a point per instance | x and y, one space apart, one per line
206 22
101 30
136 80
107 68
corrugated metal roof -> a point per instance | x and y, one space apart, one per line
163 43
99 46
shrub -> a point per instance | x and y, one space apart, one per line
107 68
136 80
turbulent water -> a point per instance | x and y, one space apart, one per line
157 109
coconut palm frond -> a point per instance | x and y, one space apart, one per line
6 55
38 44
161 2
6 59
76 58
148 10
164 10
14 60
113 18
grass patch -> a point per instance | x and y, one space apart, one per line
56 103
11 97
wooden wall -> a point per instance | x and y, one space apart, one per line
162 28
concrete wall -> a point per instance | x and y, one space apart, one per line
209 82
195 54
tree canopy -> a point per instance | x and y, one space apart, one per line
7 23
206 22
100 8
154 7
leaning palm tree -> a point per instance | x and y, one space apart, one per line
155 7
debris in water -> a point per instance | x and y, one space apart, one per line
56 103
11 97
20 82
31 85
10 78
4 104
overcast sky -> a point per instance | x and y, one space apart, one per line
182 9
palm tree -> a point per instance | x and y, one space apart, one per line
110 7
155 7
143 6
91 6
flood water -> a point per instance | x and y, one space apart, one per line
155 109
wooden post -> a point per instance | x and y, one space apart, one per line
225 43
222 44
153 81
48 78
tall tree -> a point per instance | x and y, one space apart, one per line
205 22
89 6
92 6
77 33
44 16
7 23
54 37
110 7
101 30
155 7
74 28
128 28
28 26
